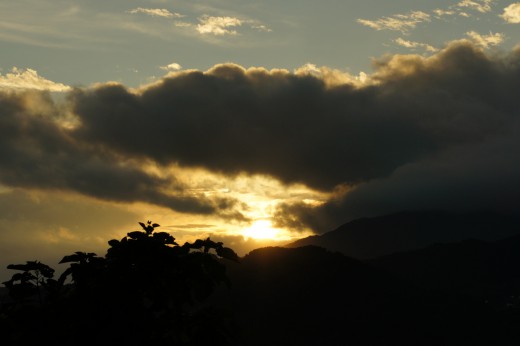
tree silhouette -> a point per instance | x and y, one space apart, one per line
147 289
34 281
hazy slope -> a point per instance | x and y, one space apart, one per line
486 271
310 296
373 237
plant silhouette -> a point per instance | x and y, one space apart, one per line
147 289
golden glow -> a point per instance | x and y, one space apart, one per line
261 229
258 197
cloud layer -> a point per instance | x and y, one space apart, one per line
38 151
437 132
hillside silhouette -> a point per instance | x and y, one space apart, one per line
148 290
378 236
311 296
486 271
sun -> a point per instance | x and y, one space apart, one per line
261 229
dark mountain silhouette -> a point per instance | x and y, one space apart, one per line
311 296
373 237
486 271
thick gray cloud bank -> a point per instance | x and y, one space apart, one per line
466 108
37 152
440 132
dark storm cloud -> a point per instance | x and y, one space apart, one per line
35 152
483 177
298 128
230 121
469 102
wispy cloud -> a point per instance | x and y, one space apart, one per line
413 45
440 12
261 27
398 22
512 13
29 79
218 25
157 12
481 6
486 41
223 25
182 24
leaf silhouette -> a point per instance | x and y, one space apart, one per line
228 253
137 235
71 258
166 238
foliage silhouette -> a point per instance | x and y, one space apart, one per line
35 280
146 290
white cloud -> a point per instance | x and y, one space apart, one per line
486 41
157 12
332 77
171 67
398 22
218 25
29 79
481 6
412 44
512 13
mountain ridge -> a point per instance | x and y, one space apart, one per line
372 237
313 296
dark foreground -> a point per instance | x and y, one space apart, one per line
308 296
464 293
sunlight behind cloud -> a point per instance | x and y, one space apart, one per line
261 229
257 198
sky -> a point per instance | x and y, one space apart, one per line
255 123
